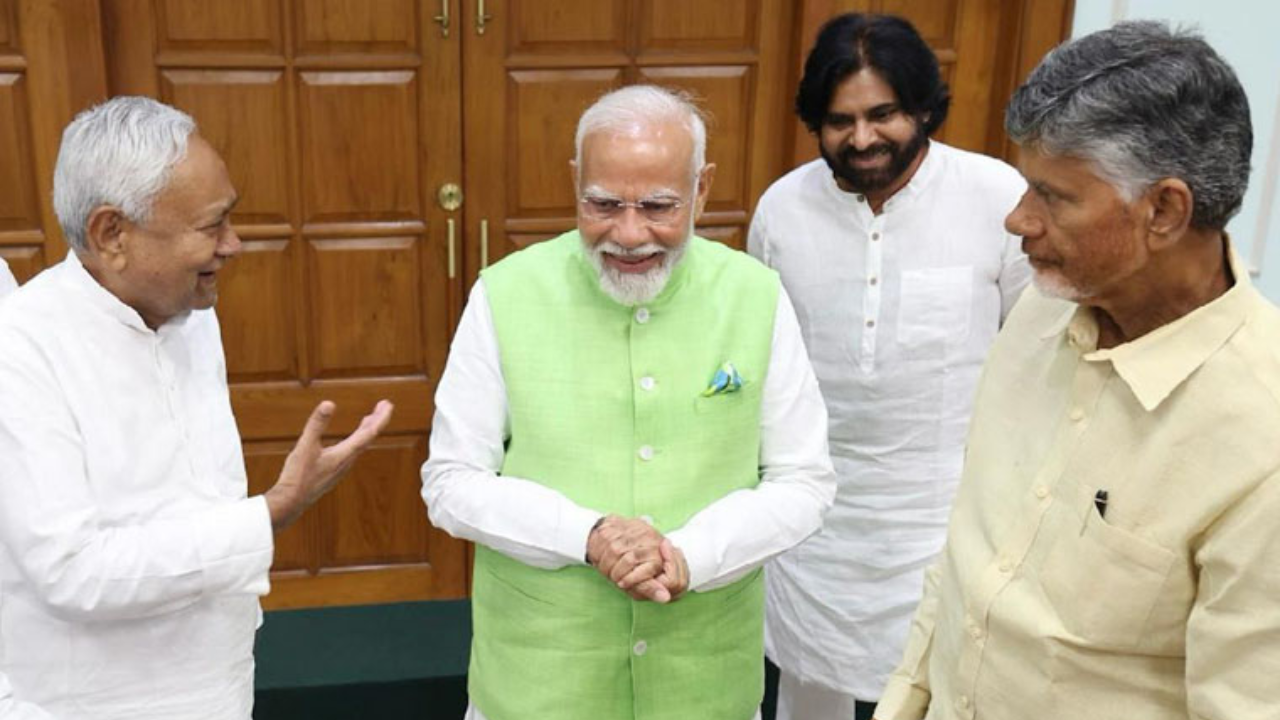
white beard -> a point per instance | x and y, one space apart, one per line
1056 286
634 288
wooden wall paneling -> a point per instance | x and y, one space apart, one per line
295 548
1038 26
399 534
19 208
56 50
258 315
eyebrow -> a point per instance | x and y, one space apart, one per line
657 194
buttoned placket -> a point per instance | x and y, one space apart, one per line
871 297
1087 387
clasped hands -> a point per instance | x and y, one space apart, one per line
638 559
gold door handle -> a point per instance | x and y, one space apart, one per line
453 250
484 244
481 17
443 18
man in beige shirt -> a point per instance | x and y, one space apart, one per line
1114 549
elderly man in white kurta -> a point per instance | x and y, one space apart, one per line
132 559
893 248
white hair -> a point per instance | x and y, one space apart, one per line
639 106
118 153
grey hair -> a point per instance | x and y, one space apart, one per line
120 153
1143 102
639 105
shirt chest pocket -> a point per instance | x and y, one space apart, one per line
1102 581
935 307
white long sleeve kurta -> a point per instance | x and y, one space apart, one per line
541 527
898 310
12 708
132 560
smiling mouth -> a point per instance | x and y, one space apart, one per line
633 263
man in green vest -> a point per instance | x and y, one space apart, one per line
628 427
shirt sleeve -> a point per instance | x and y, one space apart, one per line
465 495
739 532
758 236
907 694
1233 639
80 566
11 709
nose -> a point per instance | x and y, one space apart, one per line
229 244
1022 221
631 229
863 135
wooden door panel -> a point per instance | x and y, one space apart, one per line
224 26
668 26
329 114
19 208
355 130
366 316
567 27
256 309
357 26
380 520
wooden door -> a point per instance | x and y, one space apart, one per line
537 65
984 47
338 120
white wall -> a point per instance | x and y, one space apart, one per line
1244 32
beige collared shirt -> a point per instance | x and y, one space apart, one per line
1164 605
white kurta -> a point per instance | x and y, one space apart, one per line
897 310
541 527
7 283
132 560
11 708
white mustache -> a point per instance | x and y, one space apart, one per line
613 248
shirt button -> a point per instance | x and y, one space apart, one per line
647 383
976 632
1042 492
871 323
875 236
642 315
646 452
962 702
861 198
1006 565
640 648
873 281
1076 415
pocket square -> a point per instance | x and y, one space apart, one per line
726 380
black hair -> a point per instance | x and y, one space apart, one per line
885 43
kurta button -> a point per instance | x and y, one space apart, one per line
1076 415
871 323
647 383
1042 492
873 281
642 315
1006 565
875 236
860 198
640 648
646 452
